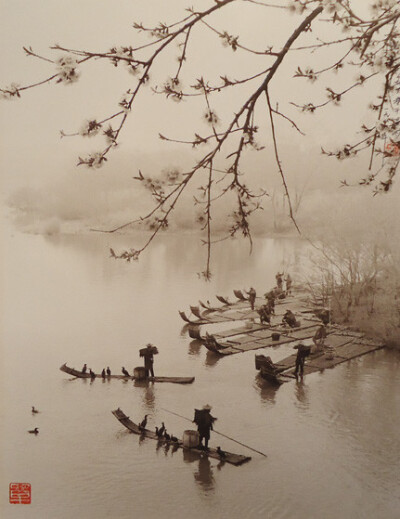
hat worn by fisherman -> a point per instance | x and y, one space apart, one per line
149 345
207 407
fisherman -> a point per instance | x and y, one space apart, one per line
303 351
324 315
84 369
265 314
290 319
252 297
204 422
270 296
288 281
319 337
279 280
148 354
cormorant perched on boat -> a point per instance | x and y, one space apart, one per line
222 454
143 423
108 371
174 438
92 373
125 372
84 369
166 435
103 373
34 431
34 411
161 430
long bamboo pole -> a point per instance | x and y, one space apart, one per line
217 432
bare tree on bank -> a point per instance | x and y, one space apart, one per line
368 45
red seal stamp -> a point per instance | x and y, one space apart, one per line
20 493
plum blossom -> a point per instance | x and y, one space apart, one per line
10 92
331 6
211 117
90 128
67 71
295 6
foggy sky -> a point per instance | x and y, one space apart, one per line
32 153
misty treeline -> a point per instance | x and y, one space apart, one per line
355 41
358 278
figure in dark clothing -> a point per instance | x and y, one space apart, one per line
265 314
204 422
290 319
252 297
303 352
288 280
84 369
270 297
148 354
319 337
279 280
325 316
108 371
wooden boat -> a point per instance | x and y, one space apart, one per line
223 300
196 311
208 306
234 459
187 320
268 370
79 374
239 295
194 333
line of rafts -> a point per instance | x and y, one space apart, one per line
208 308
187 443
138 375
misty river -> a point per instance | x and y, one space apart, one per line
332 440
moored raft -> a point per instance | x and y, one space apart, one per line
229 457
79 374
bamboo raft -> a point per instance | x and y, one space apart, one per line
341 344
229 457
79 374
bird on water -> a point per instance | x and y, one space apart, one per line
34 431
34 411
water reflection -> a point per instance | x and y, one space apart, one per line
266 389
204 474
211 359
149 397
301 393
195 347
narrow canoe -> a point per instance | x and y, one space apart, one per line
234 459
79 374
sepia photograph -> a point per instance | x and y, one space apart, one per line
200 259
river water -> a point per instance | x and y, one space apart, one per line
332 440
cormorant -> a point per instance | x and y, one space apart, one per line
222 454
35 431
125 372
166 435
103 373
108 371
92 373
161 430
84 369
143 423
174 438
34 411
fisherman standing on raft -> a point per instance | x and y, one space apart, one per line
204 422
252 297
148 354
